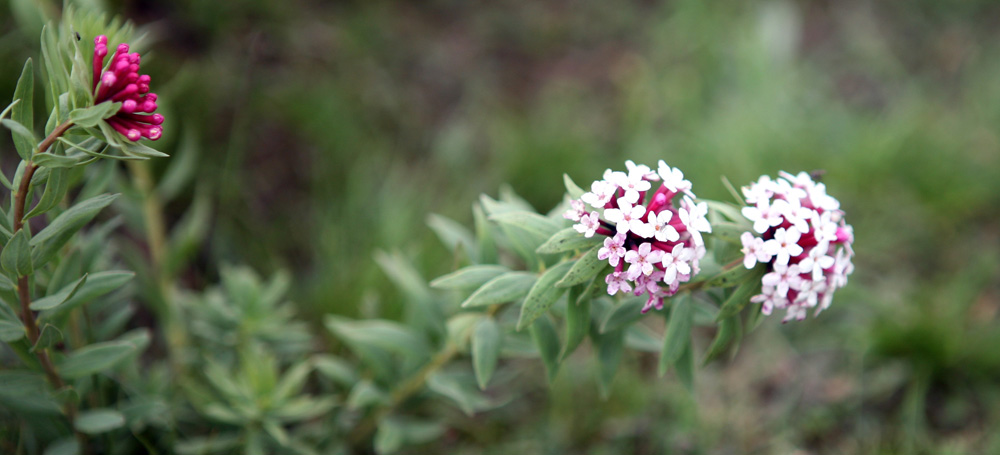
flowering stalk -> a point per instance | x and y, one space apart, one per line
659 235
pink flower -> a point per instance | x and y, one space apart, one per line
122 83
613 249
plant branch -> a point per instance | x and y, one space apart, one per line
24 285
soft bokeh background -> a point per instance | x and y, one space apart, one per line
325 131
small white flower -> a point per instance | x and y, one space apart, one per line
769 300
613 249
576 210
601 192
766 214
761 190
809 292
695 216
646 172
824 228
627 217
784 245
617 282
676 264
632 183
784 188
753 250
798 214
783 277
642 260
659 223
673 179
797 312
817 260
588 224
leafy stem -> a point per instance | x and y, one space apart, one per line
23 284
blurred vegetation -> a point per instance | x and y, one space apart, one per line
326 132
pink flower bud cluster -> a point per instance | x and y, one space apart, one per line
122 83
803 239
655 233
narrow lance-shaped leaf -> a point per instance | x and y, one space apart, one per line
678 333
729 329
96 421
48 337
577 320
453 235
609 354
741 296
584 269
505 288
50 239
625 313
90 116
572 189
16 255
485 350
95 358
97 284
543 332
470 277
23 112
567 240
55 190
543 294
59 297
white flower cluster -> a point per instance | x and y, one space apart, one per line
803 240
659 241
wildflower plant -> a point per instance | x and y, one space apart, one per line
639 240
57 272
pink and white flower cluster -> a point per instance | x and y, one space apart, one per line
654 237
803 239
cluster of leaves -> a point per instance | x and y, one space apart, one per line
564 286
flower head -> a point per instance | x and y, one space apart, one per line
803 241
122 83
654 232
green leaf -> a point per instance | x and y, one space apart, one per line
64 446
609 354
67 223
89 117
543 294
729 328
485 243
453 235
530 223
383 334
49 336
577 321
543 332
388 438
583 269
505 288
97 284
642 338
731 277
60 297
572 189
366 394
625 313
16 255
217 443
485 350
304 407
678 332
96 421
461 389
337 370
10 331
22 135
685 367
567 240
23 113
26 392
469 277
95 358
292 381
397 432
741 296
53 161
55 190
140 150
728 232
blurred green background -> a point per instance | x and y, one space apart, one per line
326 131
